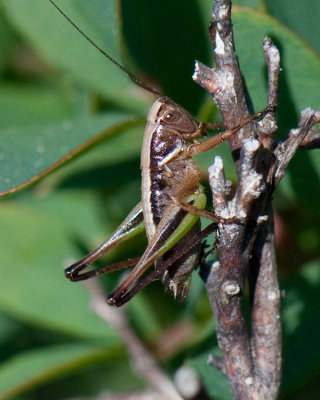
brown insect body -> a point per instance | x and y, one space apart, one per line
172 199
166 172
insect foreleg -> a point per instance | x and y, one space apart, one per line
197 148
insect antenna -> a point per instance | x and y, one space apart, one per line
134 78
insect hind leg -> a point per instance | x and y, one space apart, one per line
130 227
74 271
117 298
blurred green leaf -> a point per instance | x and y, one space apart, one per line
62 46
301 66
255 4
33 287
45 147
32 368
27 105
301 325
215 382
6 41
168 55
304 179
8 328
302 18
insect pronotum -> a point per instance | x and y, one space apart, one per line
172 200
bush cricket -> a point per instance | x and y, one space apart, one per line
172 200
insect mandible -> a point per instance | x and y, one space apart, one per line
172 200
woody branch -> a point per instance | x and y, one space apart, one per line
251 360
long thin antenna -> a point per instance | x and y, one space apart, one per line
135 79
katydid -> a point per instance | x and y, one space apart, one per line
172 200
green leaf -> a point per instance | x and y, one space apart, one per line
33 288
301 17
301 66
6 41
215 382
46 147
301 325
303 176
27 105
30 369
158 41
255 4
58 42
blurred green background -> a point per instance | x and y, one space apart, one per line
57 93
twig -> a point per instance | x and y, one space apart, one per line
225 284
286 150
252 362
225 82
143 362
312 139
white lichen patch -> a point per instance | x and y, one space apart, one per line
272 295
251 180
195 75
274 55
249 381
254 185
262 218
267 124
223 11
215 265
219 49
227 83
294 132
251 145
216 168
